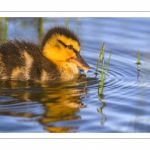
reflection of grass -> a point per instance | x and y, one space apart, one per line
100 110
104 71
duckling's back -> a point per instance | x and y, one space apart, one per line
20 60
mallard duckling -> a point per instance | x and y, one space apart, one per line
57 58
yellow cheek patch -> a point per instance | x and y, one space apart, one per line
57 51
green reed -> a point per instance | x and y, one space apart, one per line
66 22
6 29
138 60
103 70
138 57
41 27
99 58
104 73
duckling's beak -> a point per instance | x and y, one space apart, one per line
80 62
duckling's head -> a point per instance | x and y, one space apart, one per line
62 46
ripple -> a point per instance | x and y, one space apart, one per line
22 107
122 77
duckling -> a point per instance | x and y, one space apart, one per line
56 59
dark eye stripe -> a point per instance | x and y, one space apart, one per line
69 46
62 43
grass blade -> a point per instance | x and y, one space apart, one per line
66 22
41 27
108 62
99 58
104 73
102 83
6 29
138 57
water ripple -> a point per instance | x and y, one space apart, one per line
22 107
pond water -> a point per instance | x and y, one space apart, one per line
77 107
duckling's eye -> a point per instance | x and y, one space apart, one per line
70 46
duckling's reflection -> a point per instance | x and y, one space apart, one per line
60 103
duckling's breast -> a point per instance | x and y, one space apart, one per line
69 71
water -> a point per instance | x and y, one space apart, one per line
77 107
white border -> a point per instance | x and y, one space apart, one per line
74 14
66 5
74 136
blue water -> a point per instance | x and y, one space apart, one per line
77 106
